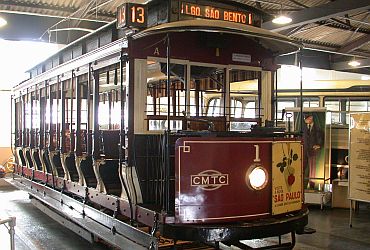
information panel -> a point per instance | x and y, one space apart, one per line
359 157
286 177
215 13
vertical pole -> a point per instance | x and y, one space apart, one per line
12 232
300 90
31 133
23 114
167 168
88 133
122 141
350 213
71 134
26 109
51 119
122 134
95 127
37 132
63 118
12 119
42 119
46 100
110 110
276 98
227 98
57 127
78 148
51 130
259 95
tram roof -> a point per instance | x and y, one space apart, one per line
279 44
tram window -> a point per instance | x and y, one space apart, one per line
213 107
36 114
311 104
236 108
28 114
54 112
109 110
243 98
116 114
103 114
250 110
339 108
243 93
162 124
109 115
84 118
157 98
207 84
334 109
358 106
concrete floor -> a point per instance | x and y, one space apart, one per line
34 230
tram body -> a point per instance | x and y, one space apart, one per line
107 123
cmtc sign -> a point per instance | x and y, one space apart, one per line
215 13
210 180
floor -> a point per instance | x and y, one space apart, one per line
34 230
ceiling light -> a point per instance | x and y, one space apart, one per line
354 63
3 22
282 19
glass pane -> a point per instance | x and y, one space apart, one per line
162 125
332 105
357 106
207 91
243 93
250 110
157 98
311 104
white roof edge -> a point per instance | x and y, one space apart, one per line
220 26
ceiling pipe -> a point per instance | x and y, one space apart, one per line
335 52
327 51
68 29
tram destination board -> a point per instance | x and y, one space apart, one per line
216 13
131 15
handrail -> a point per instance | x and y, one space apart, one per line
11 223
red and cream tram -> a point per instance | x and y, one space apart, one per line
118 132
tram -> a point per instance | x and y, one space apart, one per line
116 132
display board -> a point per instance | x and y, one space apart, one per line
286 177
359 157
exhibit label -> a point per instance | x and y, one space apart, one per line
359 157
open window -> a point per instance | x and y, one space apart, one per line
244 111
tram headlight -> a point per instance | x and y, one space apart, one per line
257 177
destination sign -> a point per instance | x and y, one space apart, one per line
215 13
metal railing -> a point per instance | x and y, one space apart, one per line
11 224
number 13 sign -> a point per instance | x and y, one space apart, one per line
131 15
